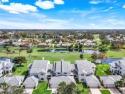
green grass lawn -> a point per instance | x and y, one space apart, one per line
42 89
102 70
69 56
82 86
36 55
105 91
116 54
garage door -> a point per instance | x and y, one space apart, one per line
29 86
110 85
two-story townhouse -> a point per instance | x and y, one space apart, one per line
84 68
63 68
118 67
5 66
39 69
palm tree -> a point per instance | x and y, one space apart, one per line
118 84
19 51
29 51
4 87
7 89
17 90
67 89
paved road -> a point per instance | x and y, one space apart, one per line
114 91
95 91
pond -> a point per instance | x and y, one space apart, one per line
108 60
4 59
65 50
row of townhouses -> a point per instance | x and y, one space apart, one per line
62 71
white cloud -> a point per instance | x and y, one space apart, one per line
124 6
48 4
4 1
45 4
95 2
108 9
17 8
58 1
102 1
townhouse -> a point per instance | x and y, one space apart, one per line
5 66
118 67
39 69
12 80
84 68
63 68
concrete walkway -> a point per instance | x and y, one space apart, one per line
95 91
28 91
114 91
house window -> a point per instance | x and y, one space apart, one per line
82 74
82 79
42 79
41 73
65 73
58 73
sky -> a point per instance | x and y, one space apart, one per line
62 14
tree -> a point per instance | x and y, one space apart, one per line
118 84
101 56
19 60
103 49
105 41
94 56
80 47
4 87
76 47
81 56
70 48
20 51
7 89
29 51
67 89
116 46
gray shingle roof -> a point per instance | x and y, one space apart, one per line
39 66
55 81
111 79
4 79
62 66
84 66
31 80
92 80
16 80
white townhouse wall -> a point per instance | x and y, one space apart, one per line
84 68
39 69
5 66
118 67
63 68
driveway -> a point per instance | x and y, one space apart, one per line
28 91
95 91
114 91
